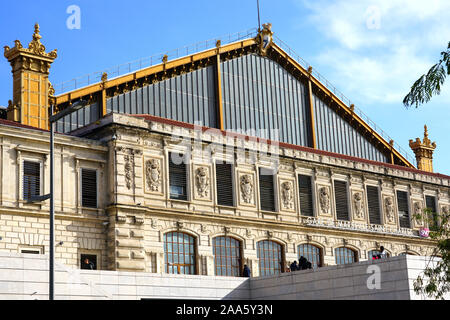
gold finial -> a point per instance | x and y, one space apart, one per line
36 35
423 151
218 43
104 77
309 69
164 58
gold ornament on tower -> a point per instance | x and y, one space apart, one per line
423 151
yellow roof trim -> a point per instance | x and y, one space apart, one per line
78 93
340 103
98 87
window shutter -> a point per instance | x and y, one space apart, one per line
89 188
340 193
177 179
31 179
305 195
430 202
403 212
266 189
373 203
224 183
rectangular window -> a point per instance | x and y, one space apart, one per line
373 203
305 195
177 176
88 261
30 250
224 182
31 179
266 189
403 210
89 188
340 194
430 202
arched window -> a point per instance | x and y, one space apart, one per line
312 253
373 253
227 256
271 257
179 253
345 255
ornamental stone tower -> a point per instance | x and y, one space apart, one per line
423 151
31 88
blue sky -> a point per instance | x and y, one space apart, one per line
372 51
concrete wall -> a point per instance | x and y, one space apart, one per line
25 276
337 282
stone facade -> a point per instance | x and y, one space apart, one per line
135 210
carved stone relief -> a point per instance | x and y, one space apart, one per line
287 195
417 210
153 174
246 186
324 199
202 182
389 209
358 204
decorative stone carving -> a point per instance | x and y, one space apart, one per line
153 223
324 199
247 188
389 206
287 195
128 170
202 181
153 174
417 207
358 203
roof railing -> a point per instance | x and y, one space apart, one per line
343 98
135 65
146 62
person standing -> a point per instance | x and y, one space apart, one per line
246 272
294 266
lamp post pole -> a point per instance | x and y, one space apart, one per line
52 120
52 211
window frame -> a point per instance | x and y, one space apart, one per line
96 187
282 257
233 185
38 249
320 253
380 203
187 176
274 186
179 265
22 176
435 213
408 203
313 194
95 253
347 190
355 252
240 258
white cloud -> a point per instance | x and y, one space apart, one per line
377 49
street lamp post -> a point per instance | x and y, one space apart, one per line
53 119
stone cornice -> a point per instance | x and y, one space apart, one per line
245 222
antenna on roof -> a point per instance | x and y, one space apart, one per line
259 21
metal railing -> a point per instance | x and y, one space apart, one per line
135 65
343 98
156 59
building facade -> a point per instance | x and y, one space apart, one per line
198 165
